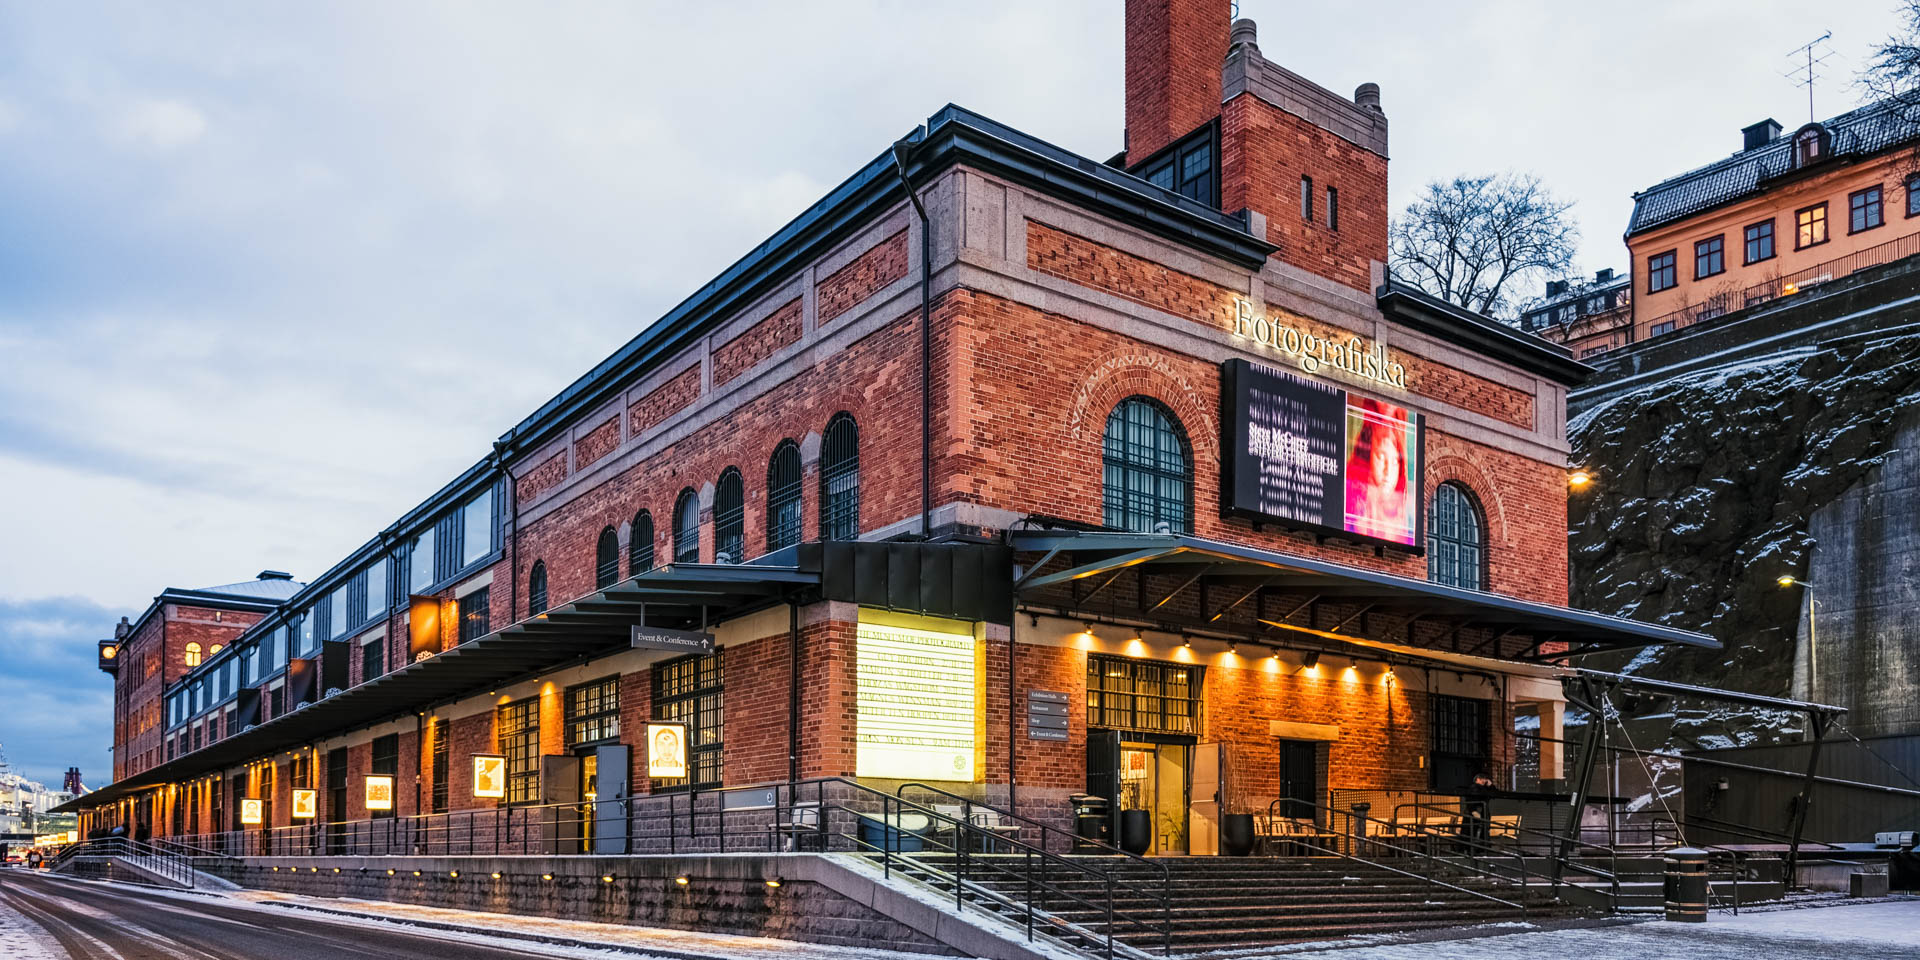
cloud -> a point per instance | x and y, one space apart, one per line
56 707
160 124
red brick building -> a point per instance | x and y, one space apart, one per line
1053 477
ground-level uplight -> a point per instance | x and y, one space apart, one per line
682 881
773 884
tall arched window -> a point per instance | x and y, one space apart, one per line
193 654
640 544
840 479
606 559
729 517
537 589
686 527
1456 539
1147 469
783 496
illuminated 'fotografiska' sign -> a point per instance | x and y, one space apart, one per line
1313 351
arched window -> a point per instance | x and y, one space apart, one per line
1147 469
1456 539
193 654
783 496
729 518
840 479
606 559
537 589
686 527
640 544
216 648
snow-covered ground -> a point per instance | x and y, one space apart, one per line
1868 931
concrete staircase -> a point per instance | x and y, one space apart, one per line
1222 903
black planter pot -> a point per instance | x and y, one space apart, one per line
1136 831
1236 834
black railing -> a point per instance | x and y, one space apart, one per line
1014 879
1468 830
105 857
1347 834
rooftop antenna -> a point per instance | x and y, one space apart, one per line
1805 71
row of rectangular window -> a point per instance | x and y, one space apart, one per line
1865 211
1306 203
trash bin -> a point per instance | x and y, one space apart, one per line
900 833
1236 834
1686 892
1092 821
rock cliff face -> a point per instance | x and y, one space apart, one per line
1707 487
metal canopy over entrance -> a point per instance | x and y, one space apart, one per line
681 595
1273 591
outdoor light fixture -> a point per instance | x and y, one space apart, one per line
1787 581
1311 660
455 874
773 884
496 875
1579 479
336 869
546 876
416 873
680 880
1186 641
313 869
1233 646
606 878
389 871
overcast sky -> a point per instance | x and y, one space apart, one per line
270 273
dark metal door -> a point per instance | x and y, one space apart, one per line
610 800
1299 778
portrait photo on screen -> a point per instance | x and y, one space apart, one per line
1382 490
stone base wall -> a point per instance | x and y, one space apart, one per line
723 894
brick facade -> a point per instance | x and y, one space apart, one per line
1174 48
1267 150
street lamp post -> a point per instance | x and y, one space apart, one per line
1788 582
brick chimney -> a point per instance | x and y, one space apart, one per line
1174 52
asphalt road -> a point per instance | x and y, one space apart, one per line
99 921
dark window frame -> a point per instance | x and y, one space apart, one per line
1760 233
1457 536
441 788
1710 257
840 478
1189 166
606 558
537 589
1144 696
476 614
1306 198
692 690
784 509
1333 208
516 728
640 543
730 517
1149 487
1826 227
1913 195
593 712
1866 202
1668 271
686 527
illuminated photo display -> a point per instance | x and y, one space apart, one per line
919 710
380 793
306 804
1310 455
667 750
489 776
252 812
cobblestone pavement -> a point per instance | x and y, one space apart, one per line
1871 931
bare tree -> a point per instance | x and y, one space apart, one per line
1470 241
1894 72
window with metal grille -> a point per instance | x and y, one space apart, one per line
517 728
606 559
1147 469
1142 695
840 479
476 615
537 589
640 544
593 712
1456 538
729 517
783 496
1459 727
686 527
440 787
385 762
688 690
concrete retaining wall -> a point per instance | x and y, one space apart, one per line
723 894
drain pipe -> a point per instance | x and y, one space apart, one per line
900 148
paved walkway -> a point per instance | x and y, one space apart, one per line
1868 931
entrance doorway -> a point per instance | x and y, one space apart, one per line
1299 779
1154 779
589 792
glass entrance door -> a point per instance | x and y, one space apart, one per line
589 792
1154 779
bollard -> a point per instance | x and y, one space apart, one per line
1687 885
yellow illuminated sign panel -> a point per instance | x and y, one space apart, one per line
306 803
667 750
252 812
919 702
380 793
489 776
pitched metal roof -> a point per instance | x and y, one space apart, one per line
267 589
1854 134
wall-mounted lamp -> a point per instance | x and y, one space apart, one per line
1310 660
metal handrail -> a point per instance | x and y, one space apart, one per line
146 857
1552 844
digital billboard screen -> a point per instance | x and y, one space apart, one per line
1306 454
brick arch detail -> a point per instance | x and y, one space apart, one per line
1457 469
1119 375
